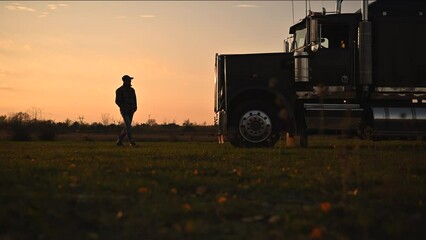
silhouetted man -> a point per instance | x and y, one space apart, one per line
125 98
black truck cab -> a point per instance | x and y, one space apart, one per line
361 72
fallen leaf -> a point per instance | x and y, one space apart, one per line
353 192
119 215
325 206
237 172
221 200
274 219
186 207
173 191
316 233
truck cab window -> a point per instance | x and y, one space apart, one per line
324 43
299 39
334 36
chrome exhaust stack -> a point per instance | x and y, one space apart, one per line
339 6
365 51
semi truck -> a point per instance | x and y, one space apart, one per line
362 72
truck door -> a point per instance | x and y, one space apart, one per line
331 62
331 79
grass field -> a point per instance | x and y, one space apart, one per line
335 189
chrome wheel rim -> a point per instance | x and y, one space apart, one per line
255 126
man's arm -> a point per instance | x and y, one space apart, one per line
134 100
118 98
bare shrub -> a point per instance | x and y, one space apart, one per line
19 125
46 130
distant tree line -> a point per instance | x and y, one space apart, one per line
26 126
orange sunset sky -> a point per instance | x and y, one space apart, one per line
67 58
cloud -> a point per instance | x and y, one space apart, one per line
8 46
52 6
56 6
142 16
19 7
6 89
43 14
246 6
147 16
22 7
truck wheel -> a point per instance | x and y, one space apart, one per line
365 128
367 133
254 124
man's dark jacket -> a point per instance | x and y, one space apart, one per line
125 98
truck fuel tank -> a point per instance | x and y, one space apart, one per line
399 121
301 66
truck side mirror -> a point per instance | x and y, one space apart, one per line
286 46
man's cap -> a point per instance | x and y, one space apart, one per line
126 77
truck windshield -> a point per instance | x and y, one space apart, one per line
299 39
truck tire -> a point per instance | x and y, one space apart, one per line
254 124
366 133
365 128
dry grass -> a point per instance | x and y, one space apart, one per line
335 189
